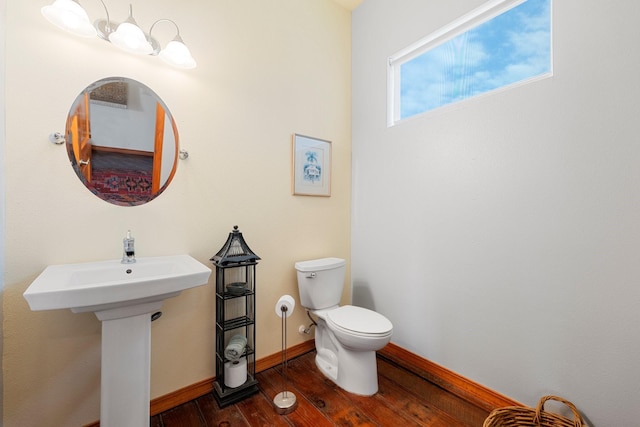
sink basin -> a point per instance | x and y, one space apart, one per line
105 285
123 296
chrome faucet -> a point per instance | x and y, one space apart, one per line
128 252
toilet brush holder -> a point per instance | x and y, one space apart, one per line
285 402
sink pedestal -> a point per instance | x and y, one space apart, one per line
123 297
126 366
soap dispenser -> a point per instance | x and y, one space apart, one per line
129 252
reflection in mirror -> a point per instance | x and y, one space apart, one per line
122 141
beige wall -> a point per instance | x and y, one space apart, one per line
266 70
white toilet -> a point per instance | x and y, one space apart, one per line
347 337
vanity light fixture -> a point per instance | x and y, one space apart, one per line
71 16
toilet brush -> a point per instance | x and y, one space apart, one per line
285 402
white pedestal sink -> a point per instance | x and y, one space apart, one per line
123 297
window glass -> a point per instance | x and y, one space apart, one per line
511 47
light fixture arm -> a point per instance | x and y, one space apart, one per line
162 20
103 26
154 43
175 52
106 12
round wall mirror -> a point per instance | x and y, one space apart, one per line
122 141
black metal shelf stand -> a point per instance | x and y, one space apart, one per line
235 314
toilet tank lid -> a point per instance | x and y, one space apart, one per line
320 264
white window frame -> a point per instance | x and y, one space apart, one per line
483 13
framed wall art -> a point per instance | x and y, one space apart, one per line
311 166
112 94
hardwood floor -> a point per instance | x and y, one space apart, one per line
403 399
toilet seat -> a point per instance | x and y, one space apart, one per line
358 321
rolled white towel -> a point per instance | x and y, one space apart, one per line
236 347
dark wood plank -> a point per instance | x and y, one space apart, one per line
403 399
305 414
392 405
454 383
327 397
214 416
155 421
466 413
186 415
259 411
416 408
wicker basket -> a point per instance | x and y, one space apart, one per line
518 416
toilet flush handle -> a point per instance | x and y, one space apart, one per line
311 275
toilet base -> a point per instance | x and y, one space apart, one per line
327 362
353 371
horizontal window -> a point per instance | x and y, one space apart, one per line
500 44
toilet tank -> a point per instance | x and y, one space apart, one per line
320 282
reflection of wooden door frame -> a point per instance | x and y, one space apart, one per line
157 149
81 137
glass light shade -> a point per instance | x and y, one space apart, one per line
70 16
177 54
130 37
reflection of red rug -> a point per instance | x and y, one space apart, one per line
121 182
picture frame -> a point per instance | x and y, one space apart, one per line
112 94
311 166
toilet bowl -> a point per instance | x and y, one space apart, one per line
347 337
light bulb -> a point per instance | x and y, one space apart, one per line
70 16
177 53
130 37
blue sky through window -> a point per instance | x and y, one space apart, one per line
509 48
